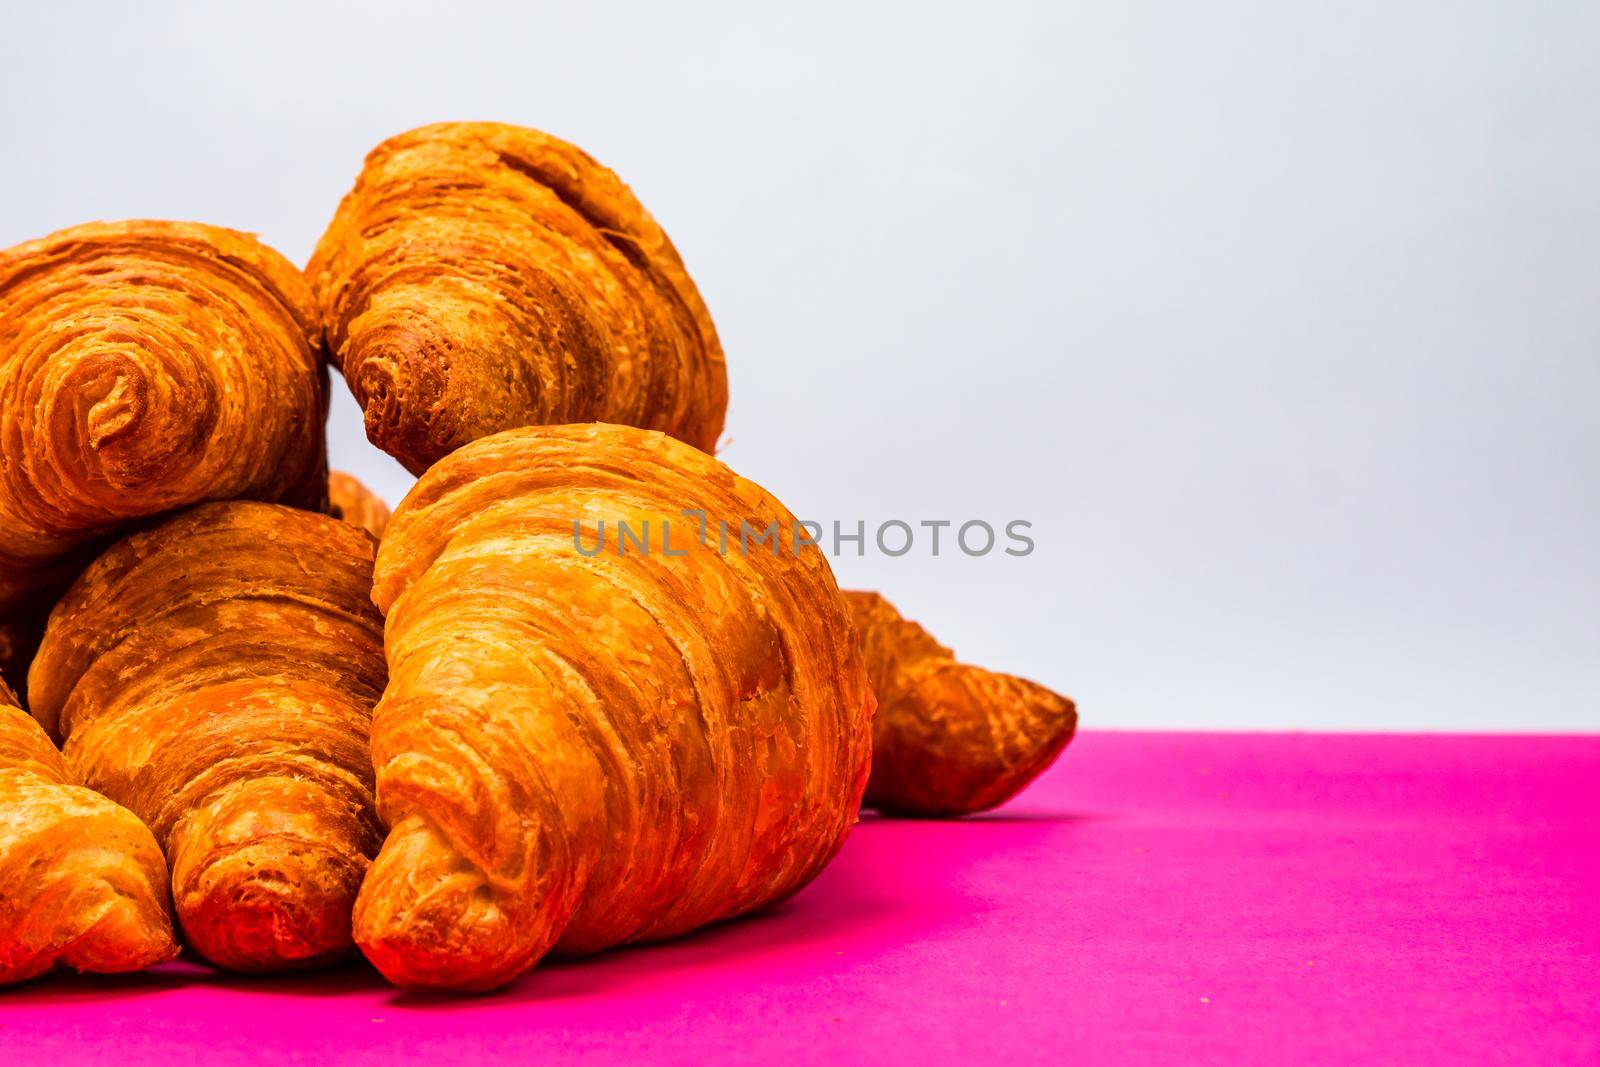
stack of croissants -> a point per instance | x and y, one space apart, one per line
259 703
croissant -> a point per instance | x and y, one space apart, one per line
481 277
147 366
578 750
82 883
353 502
949 738
216 674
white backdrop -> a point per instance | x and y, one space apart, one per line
1278 321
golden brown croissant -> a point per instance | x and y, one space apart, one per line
216 674
949 738
580 750
481 277
82 882
353 502
147 366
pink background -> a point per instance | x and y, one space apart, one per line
1168 897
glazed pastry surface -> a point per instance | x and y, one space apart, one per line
481 277
353 502
950 738
580 750
216 674
82 882
146 366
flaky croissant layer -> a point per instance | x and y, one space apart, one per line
146 366
216 674
82 882
481 277
577 750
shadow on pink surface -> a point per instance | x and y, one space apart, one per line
862 901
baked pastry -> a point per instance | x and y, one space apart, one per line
950 738
82 883
481 277
353 502
578 750
216 674
147 366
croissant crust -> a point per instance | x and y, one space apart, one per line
82 882
580 750
481 277
146 366
216 674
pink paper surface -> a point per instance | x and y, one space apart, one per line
1155 897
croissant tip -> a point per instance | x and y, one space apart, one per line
271 912
107 409
984 737
401 388
425 952
420 969
128 938
452 937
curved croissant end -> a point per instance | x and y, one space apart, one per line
216 674
580 749
481 277
146 366
353 502
82 882
949 738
